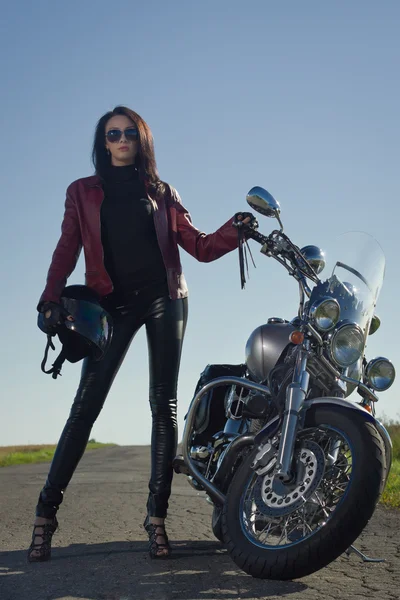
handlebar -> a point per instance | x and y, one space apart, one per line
257 236
279 246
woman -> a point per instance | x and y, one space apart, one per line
129 224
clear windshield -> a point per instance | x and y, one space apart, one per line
354 276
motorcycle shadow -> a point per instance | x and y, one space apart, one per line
122 570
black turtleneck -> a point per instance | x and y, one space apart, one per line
132 255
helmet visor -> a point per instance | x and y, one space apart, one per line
91 322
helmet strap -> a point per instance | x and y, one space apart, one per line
57 365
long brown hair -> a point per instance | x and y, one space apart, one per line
145 160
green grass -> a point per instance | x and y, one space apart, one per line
391 495
20 455
394 431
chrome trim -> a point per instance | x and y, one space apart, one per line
304 291
305 287
215 494
315 334
339 375
330 366
300 313
373 397
295 395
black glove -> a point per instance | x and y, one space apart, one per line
53 315
241 216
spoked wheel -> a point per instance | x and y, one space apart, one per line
274 514
282 531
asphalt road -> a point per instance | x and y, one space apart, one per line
100 551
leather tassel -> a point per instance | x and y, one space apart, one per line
243 261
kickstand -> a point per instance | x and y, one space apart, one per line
364 558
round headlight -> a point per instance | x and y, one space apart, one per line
380 374
325 313
347 344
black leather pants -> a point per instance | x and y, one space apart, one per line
165 322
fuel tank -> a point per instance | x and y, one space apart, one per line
265 345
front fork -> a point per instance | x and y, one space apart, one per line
295 395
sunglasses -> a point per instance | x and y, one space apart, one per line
114 135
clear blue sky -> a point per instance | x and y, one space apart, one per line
299 97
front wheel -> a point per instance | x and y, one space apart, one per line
216 522
285 532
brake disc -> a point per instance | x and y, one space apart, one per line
274 498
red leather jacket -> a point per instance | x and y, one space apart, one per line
81 228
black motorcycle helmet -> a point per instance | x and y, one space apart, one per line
88 335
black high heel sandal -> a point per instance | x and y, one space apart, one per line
154 546
44 547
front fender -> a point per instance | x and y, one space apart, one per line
348 405
332 401
271 428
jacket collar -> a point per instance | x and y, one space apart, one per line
93 181
96 181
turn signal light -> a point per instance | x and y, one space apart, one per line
296 337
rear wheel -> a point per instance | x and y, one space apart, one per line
285 532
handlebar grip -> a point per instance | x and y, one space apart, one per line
256 235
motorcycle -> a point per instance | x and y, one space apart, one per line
293 467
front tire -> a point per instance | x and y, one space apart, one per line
216 522
345 518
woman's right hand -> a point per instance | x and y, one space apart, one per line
54 315
245 219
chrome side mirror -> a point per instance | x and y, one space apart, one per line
262 201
